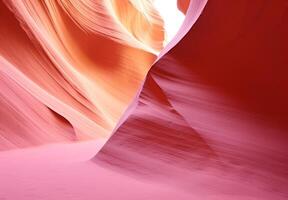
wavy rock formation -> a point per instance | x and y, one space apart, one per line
207 121
74 65
214 104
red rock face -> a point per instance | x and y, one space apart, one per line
217 100
183 5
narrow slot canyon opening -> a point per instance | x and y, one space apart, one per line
172 17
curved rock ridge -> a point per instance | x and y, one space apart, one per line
69 68
207 121
214 105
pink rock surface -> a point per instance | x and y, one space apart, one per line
63 171
209 121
